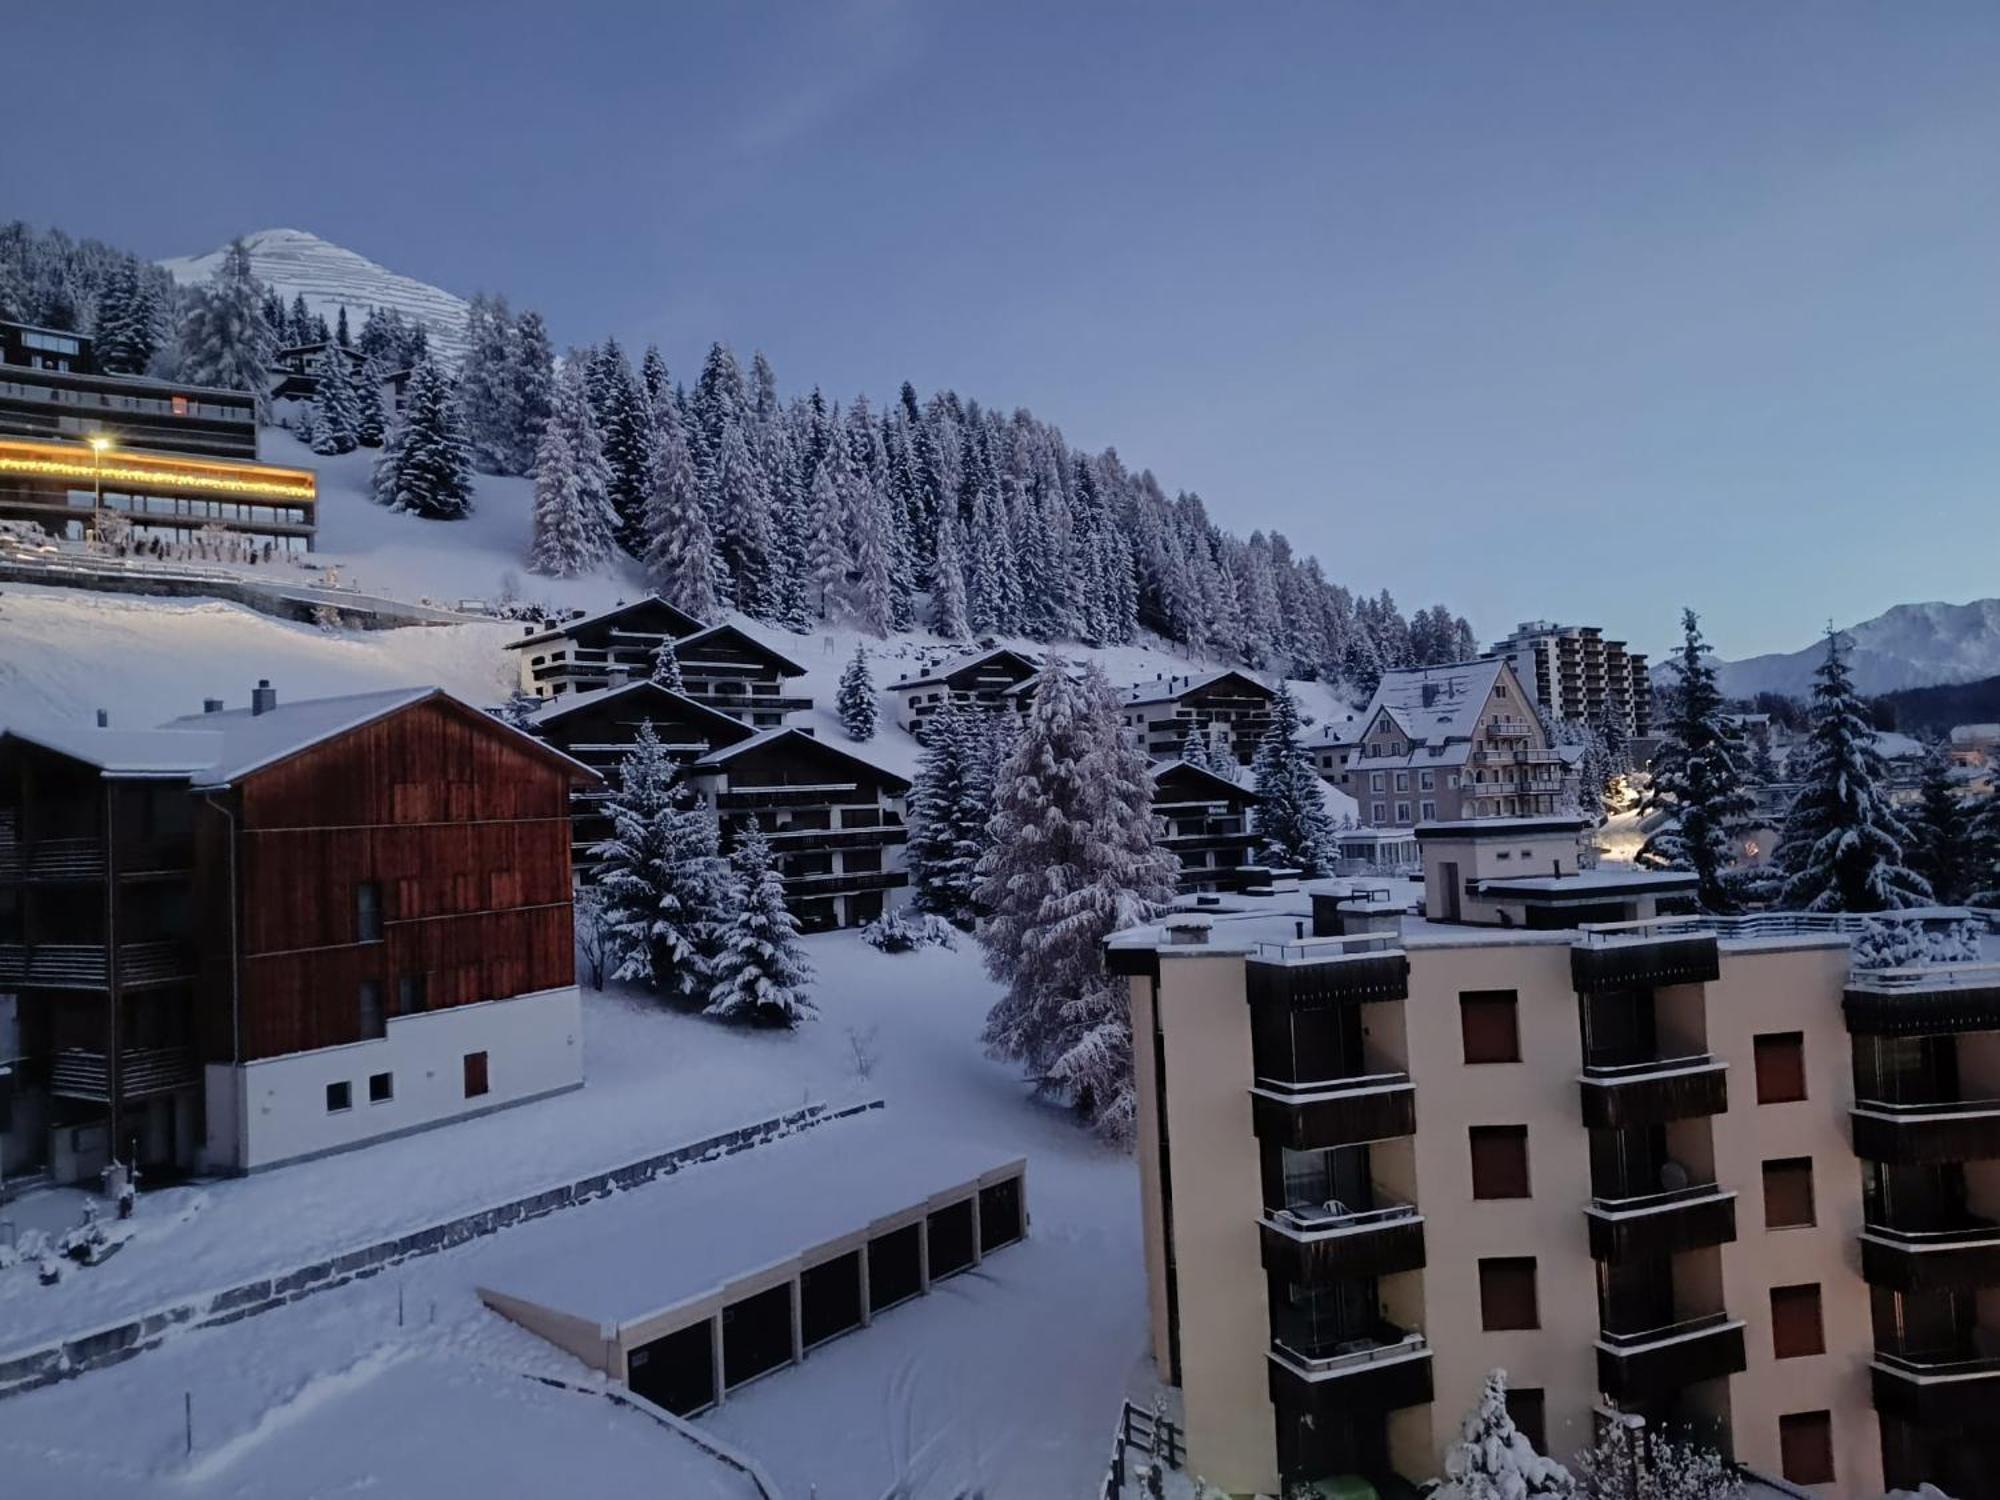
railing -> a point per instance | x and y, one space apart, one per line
1928 976
77 1072
1310 1223
1155 1436
1624 1072
1663 1334
55 965
1930 1110
1329 949
1977 1233
1694 1192
151 963
1378 1350
65 859
1945 1365
1300 1093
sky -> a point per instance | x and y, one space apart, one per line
1542 310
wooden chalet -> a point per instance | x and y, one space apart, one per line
835 821
1206 823
734 673
984 679
1232 706
258 935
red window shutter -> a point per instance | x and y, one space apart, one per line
1796 1329
1489 1025
1499 1161
1781 1067
1805 1447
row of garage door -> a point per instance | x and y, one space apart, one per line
770 1328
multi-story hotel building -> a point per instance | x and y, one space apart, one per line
1575 673
1231 707
986 680
1383 1154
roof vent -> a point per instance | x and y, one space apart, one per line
1188 931
211 705
263 697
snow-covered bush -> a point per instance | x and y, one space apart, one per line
1633 1462
903 931
1493 1459
1889 944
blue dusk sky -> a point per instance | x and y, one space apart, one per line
1571 310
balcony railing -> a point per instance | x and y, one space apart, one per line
1947 1389
1656 1225
838 885
1638 1366
1653 1092
1963 1258
1924 998
1648 954
1383 1372
153 963
1335 1111
1919 1134
54 965
78 1073
738 798
1317 972
1311 1246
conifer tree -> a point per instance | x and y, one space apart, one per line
299 322
340 334
667 668
1942 851
827 560
625 426
533 373
1697 780
1983 853
1843 844
224 340
856 698
126 330
425 470
336 412
653 375
947 836
1074 856
761 973
682 560
1294 829
1194 745
574 525
1493 1459
948 591
370 425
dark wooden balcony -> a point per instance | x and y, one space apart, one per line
795 840
1639 1367
840 885
1322 972
1653 1093
1386 1372
733 703
822 794
1966 1258
1942 1390
76 1073
154 963
1915 1134
1311 1248
1926 999
1661 1224
1642 955
1334 1112
54 966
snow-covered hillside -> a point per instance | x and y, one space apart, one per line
1912 645
329 277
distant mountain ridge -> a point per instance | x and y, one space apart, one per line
298 263
1909 646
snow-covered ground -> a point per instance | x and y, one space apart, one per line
1006 1379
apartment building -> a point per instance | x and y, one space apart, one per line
1575 673
1444 743
1205 821
982 679
52 390
1231 707
255 935
1382 1154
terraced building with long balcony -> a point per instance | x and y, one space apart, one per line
1690 1172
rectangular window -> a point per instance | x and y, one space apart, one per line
368 912
475 1074
1499 1161
1402 812
1381 812
1427 780
1427 811
1402 781
1805 1446
1489 1024
339 1096
1788 1193
412 994
373 1027
381 1087
1375 782
1796 1330
1781 1067
1507 1294
1526 1407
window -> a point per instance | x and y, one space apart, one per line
1402 812
373 1027
1381 812
412 994
1781 1067
1507 1294
1489 1022
1526 1407
1796 1330
368 912
475 1074
1427 811
1375 782
1427 780
1805 1446
1402 781
1499 1161
1788 1193
381 1087
339 1096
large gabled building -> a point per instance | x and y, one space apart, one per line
1205 821
1231 707
986 680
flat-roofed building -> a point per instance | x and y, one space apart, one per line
1576 674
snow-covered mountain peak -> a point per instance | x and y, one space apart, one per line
1910 645
299 263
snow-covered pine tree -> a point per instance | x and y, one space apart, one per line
1493 1459
653 375
340 333
126 331
738 497
1075 856
667 668
575 528
370 426
336 414
298 322
1943 849
665 895
856 698
532 372
948 583
1843 844
224 340
1194 745
1697 780
1983 854
626 431
487 392
1294 829
943 849
1631 1461
827 560
761 973
425 471
682 561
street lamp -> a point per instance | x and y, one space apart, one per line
98 443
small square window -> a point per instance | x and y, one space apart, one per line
1805 1447
1499 1161
1507 1294
381 1087
1788 1193
1489 1025
475 1074
1781 1067
339 1096
1796 1329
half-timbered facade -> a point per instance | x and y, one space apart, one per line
1205 820
1232 707
984 680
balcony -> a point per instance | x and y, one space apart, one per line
1319 972
1382 1372
1637 1367
730 703
1334 1112
1653 1093
1643 955
804 794
1924 999
840 885
77 1073
1916 1134
54 966
1661 1224
1962 1258
1312 1246
52 860
1937 1390
795 840
153 963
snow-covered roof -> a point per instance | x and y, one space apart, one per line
1472 828
569 703
1173 689
1893 746
126 752
1597 882
1159 770
1442 702
584 622
685 645
811 744
959 664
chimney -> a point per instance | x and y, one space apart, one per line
103 719
211 705
264 697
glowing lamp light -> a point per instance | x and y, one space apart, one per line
99 443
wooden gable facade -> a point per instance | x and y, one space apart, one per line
1205 821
